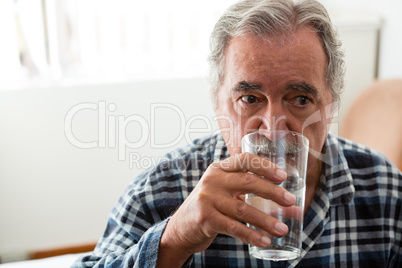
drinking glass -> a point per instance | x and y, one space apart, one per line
289 151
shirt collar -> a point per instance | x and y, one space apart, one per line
337 181
221 151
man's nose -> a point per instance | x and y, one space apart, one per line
274 117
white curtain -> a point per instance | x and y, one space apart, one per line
62 40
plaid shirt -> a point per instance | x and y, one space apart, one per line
354 220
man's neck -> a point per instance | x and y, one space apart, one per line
313 179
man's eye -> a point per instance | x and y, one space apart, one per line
302 100
249 98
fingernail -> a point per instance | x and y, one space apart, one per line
281 227
281 174
265 240
290 198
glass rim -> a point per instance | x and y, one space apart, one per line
306 141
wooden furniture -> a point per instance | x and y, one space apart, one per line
375 119
61 251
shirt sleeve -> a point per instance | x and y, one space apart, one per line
117 248
135 225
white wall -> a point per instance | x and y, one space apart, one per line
390 61
53 191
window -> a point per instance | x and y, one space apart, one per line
68 41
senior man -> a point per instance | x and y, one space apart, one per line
275 64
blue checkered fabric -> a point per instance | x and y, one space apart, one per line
354 220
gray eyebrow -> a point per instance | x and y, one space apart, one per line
244 85
304 87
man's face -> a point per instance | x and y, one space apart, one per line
275 83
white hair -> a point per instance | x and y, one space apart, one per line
264 18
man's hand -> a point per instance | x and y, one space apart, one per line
216 206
